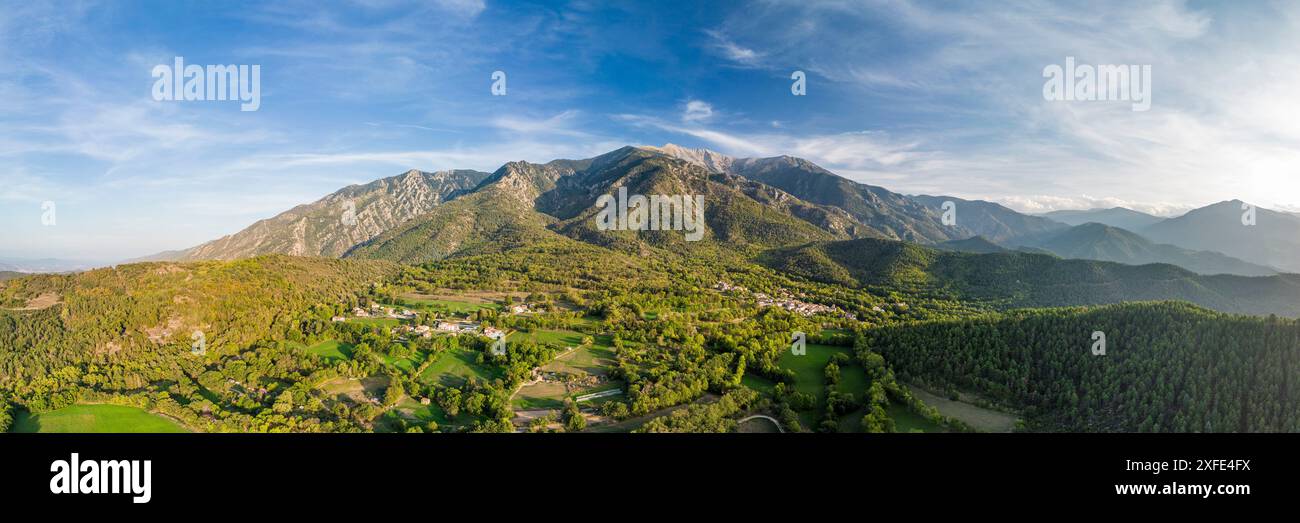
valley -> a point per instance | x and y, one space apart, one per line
494 302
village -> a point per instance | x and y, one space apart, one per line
786 301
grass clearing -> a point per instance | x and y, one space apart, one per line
456 366
907 421
98 418
382 322
331 350
980 418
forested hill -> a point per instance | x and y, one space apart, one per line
1167 367
147 313
1020 279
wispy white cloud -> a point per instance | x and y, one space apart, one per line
697 111
733 51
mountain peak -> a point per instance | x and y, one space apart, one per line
711 160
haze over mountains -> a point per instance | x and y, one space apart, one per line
1114 217
754 204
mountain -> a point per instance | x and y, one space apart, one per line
1274 240
1115 217
990 220
1018 279
711 160
889 214
326 228
523 203
1095 241
138 309
9 275
976 244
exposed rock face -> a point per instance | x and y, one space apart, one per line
332 225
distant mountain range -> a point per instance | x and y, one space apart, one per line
1095 241
754 204
1115 217
1021 279
1273 240
46 265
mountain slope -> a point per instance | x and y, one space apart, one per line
499 215
975 244
325 227
1274 240
1095 241
150 311
1127 219
1018 279
526 202
887 214
1168 367
990 220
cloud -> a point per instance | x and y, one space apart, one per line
697 111
732 51
1038 204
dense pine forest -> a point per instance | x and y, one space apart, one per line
1167 367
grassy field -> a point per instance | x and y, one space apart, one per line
455 366
558 338
331 350
810 368
405 364
382 322
810 378
94 418
414 412
980 418
593 360
539 396
907 421
457 306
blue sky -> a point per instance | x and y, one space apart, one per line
918 97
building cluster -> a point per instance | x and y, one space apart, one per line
786 301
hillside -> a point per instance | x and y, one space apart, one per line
1120 217
1094 241
1019 279
1272 241
976 244
524 202
336 223
990 220
1167 367
148 312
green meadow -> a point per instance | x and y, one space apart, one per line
810 378
331 350
455 366
94 419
